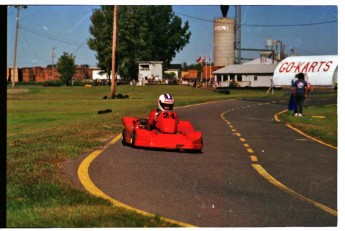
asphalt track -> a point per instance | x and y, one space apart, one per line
253 171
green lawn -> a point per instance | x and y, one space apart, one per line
46 126
318 122
49 125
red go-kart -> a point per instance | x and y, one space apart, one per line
168 133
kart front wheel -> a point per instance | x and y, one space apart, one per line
133 137
124 137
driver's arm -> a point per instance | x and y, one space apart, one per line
152 117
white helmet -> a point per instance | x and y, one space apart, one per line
165 102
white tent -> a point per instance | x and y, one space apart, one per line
319 70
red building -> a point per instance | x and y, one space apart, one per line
43 74
208 70
190 74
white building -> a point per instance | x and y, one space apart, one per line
150 71
174 69
256 73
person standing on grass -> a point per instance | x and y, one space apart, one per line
292 100
299 90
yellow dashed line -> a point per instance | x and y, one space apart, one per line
249 150
238 134
253 158
275 182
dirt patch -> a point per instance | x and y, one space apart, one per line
69 171
69 168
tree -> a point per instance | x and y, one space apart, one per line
66 67
51 66
197 66
84 69
151 33
101 30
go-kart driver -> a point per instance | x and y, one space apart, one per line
165 103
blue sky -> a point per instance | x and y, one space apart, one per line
42 28
258 25
310 30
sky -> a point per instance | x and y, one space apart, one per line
44 29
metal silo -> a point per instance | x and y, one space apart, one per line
224 41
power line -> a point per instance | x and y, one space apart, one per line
53 37
264 25
79 47
30 47
291 25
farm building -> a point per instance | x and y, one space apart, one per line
252 74
43 74
150 71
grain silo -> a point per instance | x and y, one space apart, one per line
224 41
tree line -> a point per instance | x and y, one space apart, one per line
145 33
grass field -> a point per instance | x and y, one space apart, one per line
318 122
49 125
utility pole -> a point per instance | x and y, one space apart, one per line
113 77
206 75
14 74
238 33
52 64
209 59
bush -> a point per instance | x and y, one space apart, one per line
53 83
29 83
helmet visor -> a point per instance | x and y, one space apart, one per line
166 106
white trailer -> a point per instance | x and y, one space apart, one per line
318 70
99 74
